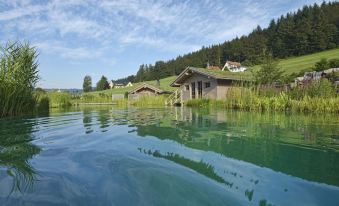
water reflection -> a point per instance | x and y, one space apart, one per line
275 141
15 153
87 120
167 156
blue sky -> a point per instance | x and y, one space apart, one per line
113 37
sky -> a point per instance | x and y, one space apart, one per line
75 38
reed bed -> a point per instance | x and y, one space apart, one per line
59 99
247 99
146 101
18 77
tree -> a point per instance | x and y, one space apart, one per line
102 84
269 71
87 85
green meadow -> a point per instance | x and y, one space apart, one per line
298 64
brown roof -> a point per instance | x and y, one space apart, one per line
214 68
238 76
237 64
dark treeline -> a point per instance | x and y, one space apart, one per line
308 30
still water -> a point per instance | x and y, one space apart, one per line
169 156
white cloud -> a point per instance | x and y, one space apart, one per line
175 26
71 53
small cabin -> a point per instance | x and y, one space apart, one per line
144 90
197 83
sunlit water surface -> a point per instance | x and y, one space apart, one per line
169 156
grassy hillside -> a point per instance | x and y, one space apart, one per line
297 64
164 85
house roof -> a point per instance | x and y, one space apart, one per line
144 85
214 68
237 64
215 74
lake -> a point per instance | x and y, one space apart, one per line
169 156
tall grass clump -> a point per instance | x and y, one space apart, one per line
146 101
59 99
18 77
318 97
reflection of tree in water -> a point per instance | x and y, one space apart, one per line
16 151
103 118
87 120
134 117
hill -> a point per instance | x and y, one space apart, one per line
298 64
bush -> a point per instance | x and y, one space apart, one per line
321 65
334 63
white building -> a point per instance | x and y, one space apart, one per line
234 67
129 84
111 84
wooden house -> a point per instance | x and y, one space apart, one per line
197 83
145 90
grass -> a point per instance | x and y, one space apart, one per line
297 64
59 99
146 101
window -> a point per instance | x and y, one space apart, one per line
187 87
207 84
193 90
200 89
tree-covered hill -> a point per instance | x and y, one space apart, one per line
309 30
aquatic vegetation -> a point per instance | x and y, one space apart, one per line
248 99
18 77
59 99
145 101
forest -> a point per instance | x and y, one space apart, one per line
308 30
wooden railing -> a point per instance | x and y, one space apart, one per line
174 98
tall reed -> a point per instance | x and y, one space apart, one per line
18 77
247 99
146 101
59 99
